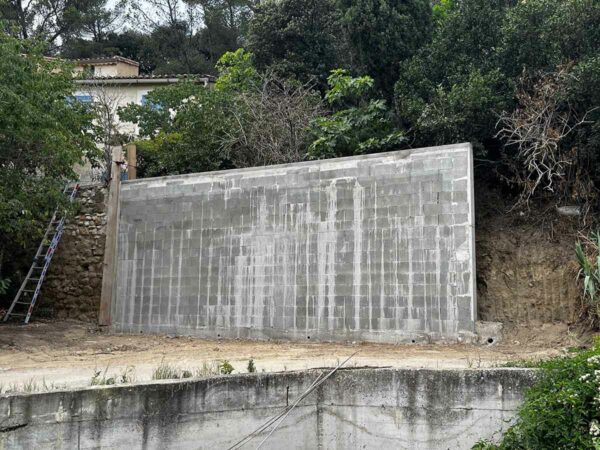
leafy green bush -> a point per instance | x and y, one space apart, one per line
562 410
225 367
42 136
182 127
358 125
4 284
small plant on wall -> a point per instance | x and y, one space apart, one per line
225 367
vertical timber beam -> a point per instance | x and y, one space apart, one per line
110 248
131 162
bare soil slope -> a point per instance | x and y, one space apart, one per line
526 268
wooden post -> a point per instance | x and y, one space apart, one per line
131 162
110 247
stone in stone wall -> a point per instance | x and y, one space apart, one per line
74 281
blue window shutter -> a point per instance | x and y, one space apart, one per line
84 98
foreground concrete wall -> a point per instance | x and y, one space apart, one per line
373 248
354 409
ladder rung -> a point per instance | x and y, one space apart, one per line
26 290
22 303
17 315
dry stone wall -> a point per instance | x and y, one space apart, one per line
73 284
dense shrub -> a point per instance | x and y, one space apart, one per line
43 134
359 123
562 410
182 127
382 33
297 38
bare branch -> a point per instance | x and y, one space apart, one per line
272 122
537 129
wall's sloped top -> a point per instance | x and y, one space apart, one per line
376 247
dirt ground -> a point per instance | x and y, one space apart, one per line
59 354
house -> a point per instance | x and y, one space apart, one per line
116 81
113 82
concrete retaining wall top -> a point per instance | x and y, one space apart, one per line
356 408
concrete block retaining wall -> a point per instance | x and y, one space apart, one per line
354 409
372 248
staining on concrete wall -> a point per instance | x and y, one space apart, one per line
72 286
359 408
373 248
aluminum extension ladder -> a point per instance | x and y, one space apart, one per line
30 288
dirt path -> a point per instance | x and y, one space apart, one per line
66 353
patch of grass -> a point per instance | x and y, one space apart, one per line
31 386
251 366
522 364
128 375
208 369
166 372
100 378
171 372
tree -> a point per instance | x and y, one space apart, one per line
42 136
105 103
381 33
237 72
130 44
250 118
358 125
54 21
190 36
543 34
297 38
452 89
271 120
182 128
225 22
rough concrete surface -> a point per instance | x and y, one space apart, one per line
369 248
360 408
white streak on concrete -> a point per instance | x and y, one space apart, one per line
358 203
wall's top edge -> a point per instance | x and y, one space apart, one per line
320 163
245 377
